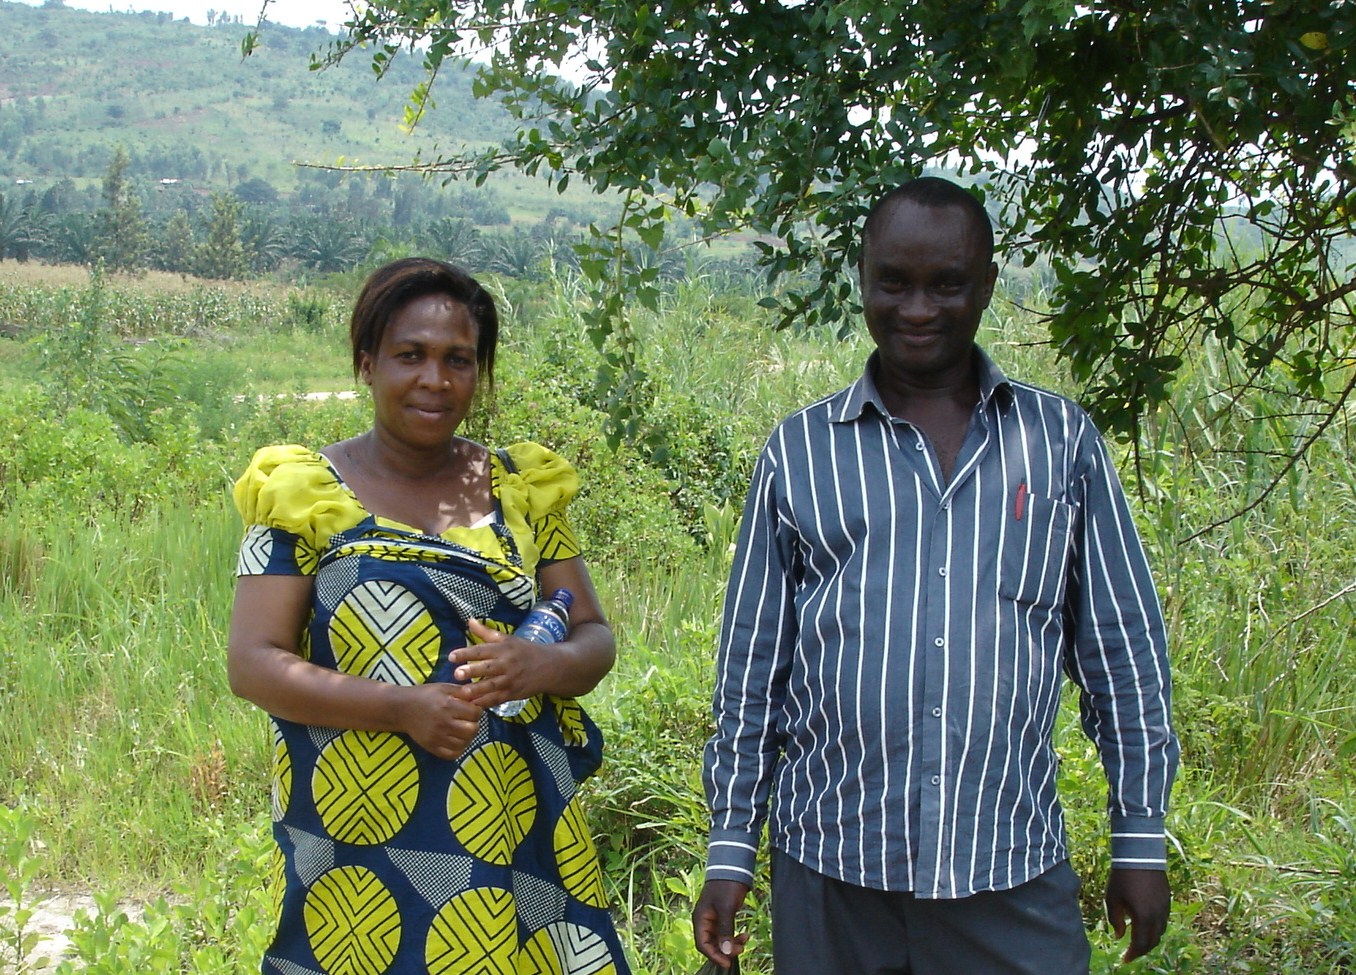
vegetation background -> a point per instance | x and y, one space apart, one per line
126 767
130 398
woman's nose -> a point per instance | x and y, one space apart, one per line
434 375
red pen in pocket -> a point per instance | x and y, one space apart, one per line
1019 508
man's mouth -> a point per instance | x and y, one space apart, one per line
914 336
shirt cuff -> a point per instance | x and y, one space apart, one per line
1138 843
731 855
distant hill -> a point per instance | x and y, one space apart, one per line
191 112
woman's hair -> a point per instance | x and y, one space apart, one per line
394 285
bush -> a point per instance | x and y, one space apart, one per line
622 515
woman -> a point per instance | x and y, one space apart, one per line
379 582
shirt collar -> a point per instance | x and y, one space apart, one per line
994 387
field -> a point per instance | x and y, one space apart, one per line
127 769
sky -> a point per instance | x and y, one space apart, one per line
292 13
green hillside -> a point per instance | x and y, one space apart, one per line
189 109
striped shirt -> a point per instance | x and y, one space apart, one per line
894 645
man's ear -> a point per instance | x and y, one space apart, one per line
990 280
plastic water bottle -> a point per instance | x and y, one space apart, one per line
546 622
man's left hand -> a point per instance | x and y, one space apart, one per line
1142 897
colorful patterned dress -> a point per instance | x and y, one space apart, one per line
393 861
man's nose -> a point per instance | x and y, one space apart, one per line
916 306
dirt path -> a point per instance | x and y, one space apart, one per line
51 920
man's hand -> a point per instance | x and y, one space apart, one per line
1143 897
713 920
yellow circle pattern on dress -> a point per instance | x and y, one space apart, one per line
277 883
383 630
570 720
566 949
576 858
365 785
282 776
476 933
352 922
531 708
491 803
308 560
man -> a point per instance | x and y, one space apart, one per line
922 555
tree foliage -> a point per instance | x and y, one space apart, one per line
222 254
121 239
1181 174
22 228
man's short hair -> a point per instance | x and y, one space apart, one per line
932 191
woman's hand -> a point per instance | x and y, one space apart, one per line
265 666
501 667
441 718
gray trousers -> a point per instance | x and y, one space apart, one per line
822 926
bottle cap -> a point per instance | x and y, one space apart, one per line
564 596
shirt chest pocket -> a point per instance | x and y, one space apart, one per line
1033 565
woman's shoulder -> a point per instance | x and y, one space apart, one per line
527 455
283 484
538 476
284 465
267 460
538 464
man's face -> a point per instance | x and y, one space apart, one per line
926 280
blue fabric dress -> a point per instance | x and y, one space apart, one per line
393 861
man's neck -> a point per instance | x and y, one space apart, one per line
905 395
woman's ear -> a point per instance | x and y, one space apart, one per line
365 367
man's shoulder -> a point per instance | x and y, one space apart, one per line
1029 395
819 413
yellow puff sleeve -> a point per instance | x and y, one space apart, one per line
291 504
534 501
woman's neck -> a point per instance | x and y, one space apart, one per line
382 458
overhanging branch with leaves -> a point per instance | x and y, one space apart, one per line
1180 176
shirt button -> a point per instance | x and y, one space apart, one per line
918 445
936 780
942 571
939 642
936 712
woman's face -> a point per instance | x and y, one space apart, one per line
423 375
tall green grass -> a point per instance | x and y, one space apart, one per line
113 667
126 766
